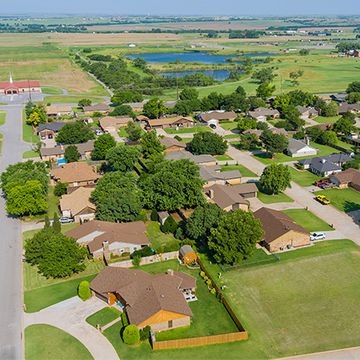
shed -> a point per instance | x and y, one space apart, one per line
187 254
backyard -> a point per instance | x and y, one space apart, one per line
346 200
49 342
158 239
244 171
308 220
191 130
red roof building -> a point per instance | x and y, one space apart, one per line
18 87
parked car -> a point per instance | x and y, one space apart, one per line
317 236
322 199
213 126
66 220
99 132
322 183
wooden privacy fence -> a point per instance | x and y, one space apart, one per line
198 341
148 259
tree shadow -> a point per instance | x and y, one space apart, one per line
350 206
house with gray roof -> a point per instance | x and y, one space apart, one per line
49 130
212 175
352 108
307 112
206 160
298 148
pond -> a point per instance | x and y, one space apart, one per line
192 56
219 75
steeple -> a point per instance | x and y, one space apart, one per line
10 79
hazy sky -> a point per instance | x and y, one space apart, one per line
184 7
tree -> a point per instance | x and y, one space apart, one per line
264 75
345 125
255 102
102 145
126 96
235 237
170 226
123 110
72 154
151 145
304 52
189 94
29 108
122 157
202 220
353 98
208 143
273 143
292 115
248 141
131 335
275 178
246 123
47 222
328 138
75 133
353 87
134 131
26 199
265 90
56 223
60 189
314 132
84 290
295 75
154 108
353 164
330 109
172 185
84 102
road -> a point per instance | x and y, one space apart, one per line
11 299
342 354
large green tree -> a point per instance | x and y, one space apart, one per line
275 178
154 108
134 131
75 133
151 145
265 90
122 157
235 237
72 154
273 143
208 143
102 145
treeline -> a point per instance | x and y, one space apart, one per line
345 46
38 28
246 34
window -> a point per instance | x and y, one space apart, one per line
170 324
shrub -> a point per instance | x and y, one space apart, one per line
84 291
154 215
206 278
136 260
145 333
213 291
208 282
131 335
202 274
124 319
179 233
177 137
145 251
170 225
60 189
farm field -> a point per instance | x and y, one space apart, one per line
49 342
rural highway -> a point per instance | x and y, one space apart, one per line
11 300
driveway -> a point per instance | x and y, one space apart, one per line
11 299
70 316
342 354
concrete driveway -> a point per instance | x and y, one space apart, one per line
70 316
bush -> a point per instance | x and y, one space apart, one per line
154 215
213 291
177 137
202 274
84 291
145 251
124 319
170 226
205 278
131 335
175 246
136 260
179 233
208 282
60 189
145 333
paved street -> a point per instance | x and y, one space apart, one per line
342 354
10 245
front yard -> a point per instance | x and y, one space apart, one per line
276 198
223 157
244 171
230 125
346 200
303 177
190 130
308 220
103 316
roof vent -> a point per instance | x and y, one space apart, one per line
162 296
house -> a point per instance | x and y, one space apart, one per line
101 108
49 130
345 107
75 174
280 230
279 131
54 111
326 165
155 300
261 114
111 124
173 122
307 112
215 117
162 216
339 97
172 145
137 106
78 206
347 178
170 104
187 255
19 87
298 148
58 151
212 175
206 160
231 198
104 238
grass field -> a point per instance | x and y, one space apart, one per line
30 154
245 172
103 316
2 117
51 90
303 177
71 99
308 220
44 342
157 238
327 120
271 199
346 200
191 130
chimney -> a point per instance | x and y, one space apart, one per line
211 193
323 161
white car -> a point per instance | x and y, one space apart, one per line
317 236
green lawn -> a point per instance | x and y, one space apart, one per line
123 133
327 120
28 135
71 99
231 137
65 227
103 316
303 303
157 238
51 90
245 172
271 199
303 177
2 117
229 125
45 342
223 157
30 154
308 220
346 200
190 130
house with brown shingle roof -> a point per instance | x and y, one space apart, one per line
104 238
77 205
58 151
172 144
151 300
166 122
75 174
59 110
101 108
215 117
281 231
114 123
347 178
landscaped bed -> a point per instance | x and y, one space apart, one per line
346 200
48 342
103 316
308 220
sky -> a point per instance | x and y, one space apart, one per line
183 7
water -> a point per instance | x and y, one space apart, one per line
194 56
219 75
